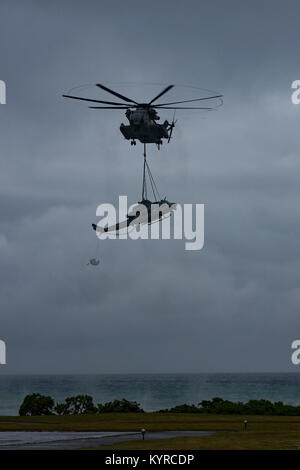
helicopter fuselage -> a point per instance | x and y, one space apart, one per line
142 117
143 126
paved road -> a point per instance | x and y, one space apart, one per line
56 440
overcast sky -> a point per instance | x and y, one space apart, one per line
150 306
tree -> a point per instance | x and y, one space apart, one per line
62 409
120 406
78 405
185 408
36 405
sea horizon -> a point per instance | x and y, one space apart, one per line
154 391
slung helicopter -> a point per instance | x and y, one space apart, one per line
145 212
143 117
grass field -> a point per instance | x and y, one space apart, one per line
219 441
264 432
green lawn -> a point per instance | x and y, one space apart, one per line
264 432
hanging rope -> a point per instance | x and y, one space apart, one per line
155 191
144 189
147 172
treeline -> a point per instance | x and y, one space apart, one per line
37 404
252 407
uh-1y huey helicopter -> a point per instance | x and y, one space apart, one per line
143 117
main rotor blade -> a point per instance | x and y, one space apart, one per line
161 93
115 93
93 101
189 101
176 107
110 107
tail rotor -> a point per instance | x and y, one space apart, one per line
172 125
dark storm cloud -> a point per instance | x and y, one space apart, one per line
150 306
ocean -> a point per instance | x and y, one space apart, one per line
152 391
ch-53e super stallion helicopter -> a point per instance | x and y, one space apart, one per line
143 117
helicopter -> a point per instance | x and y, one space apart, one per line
143 117
153 212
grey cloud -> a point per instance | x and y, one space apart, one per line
150 306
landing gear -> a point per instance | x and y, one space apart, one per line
159 143
133 142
